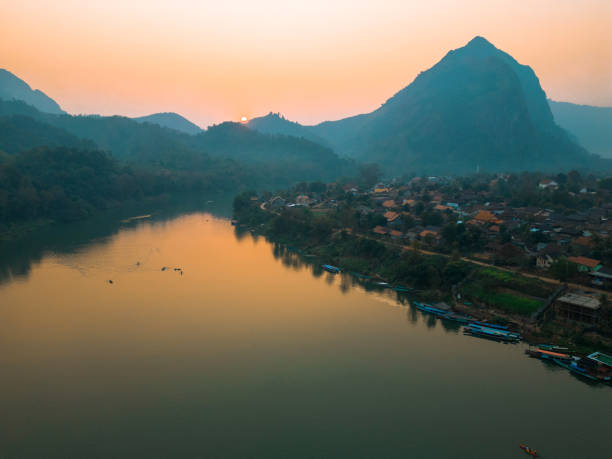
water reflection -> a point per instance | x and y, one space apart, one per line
18 257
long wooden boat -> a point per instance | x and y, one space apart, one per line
456 317
548 355
573 367
489 325
553 348
528 450
491 333
430 309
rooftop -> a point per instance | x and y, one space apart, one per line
580 300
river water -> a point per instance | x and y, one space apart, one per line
250 353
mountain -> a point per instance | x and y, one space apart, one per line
12 87
592 126
285 159
476 109
296 156
275 123
172 121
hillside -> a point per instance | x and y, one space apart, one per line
14 88
275 123
592 126
172 121
476 109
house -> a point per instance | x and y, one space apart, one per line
383 231
585 264
302 200
547 183
486 216
579 308
544 261
392 217
388 204
396 234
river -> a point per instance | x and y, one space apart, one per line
247 352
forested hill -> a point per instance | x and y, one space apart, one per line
147 143
476 109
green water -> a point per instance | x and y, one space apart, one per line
252 354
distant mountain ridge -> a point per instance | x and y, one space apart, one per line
14 88
476 109
275 123
171 120
592 126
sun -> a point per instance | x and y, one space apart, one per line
243 119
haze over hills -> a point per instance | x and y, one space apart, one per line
12 87
477 108
171 120
592 126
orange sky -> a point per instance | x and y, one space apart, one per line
310 60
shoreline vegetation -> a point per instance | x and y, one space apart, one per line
469 287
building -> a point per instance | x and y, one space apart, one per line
585 264
579 308
302 200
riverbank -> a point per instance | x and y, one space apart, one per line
470 288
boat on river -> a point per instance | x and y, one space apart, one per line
331 269
456 317
401 289
528 450
596 366
491 333
553 348
542 354
430 309
490 325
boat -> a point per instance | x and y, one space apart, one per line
430 309
331 269
574 367
528 450
456 317
399 288
547 355
491 333
490 325
383 284
553 348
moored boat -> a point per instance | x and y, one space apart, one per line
547 355
331 269
528 450
491 333
553 348
456 317
430 309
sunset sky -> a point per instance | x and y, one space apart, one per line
310 60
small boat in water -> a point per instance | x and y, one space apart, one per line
596 366
399 288
547 355
491 333
430 309
528 450
490 325
553 348
456 317
331 269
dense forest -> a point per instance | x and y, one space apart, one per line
63 167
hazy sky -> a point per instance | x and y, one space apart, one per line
310 60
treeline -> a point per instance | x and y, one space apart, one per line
62 183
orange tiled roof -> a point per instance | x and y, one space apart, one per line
389 203
390 216
584 261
